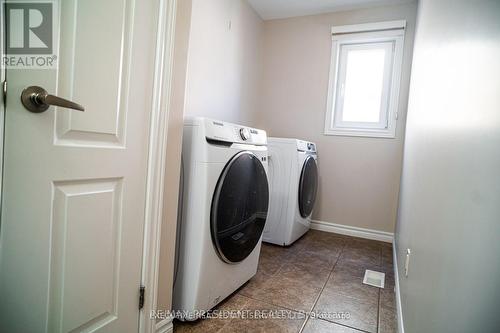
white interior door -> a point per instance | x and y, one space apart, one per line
75 182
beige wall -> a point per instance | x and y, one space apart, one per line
359 177
450 190
224 63
174 143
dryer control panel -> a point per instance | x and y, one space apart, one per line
228 132
306 146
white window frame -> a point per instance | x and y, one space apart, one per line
363 36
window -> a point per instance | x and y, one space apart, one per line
364 79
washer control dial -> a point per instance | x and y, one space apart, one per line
245 134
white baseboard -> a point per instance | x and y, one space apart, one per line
399 309
164 326
382 236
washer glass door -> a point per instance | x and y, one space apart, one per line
239 207
308 186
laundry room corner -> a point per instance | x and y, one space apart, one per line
359 176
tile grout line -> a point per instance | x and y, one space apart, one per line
267 281
317 299
273 304
308 316
231 320
340 324
285 261
323 288
301 329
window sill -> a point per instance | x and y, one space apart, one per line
384 134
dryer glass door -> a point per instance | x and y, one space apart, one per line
308 186
239 207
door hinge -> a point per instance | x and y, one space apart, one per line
4 91
142 290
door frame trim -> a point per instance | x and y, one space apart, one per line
3 76
163 78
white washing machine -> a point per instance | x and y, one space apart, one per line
293 178
224 210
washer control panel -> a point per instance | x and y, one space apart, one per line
305 146
228 132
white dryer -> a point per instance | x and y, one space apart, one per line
224 210
293 177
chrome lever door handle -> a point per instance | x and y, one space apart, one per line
36 99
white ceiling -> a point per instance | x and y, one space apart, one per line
272 9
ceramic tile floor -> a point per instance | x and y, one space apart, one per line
321 273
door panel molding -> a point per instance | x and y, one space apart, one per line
81 240
115 20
